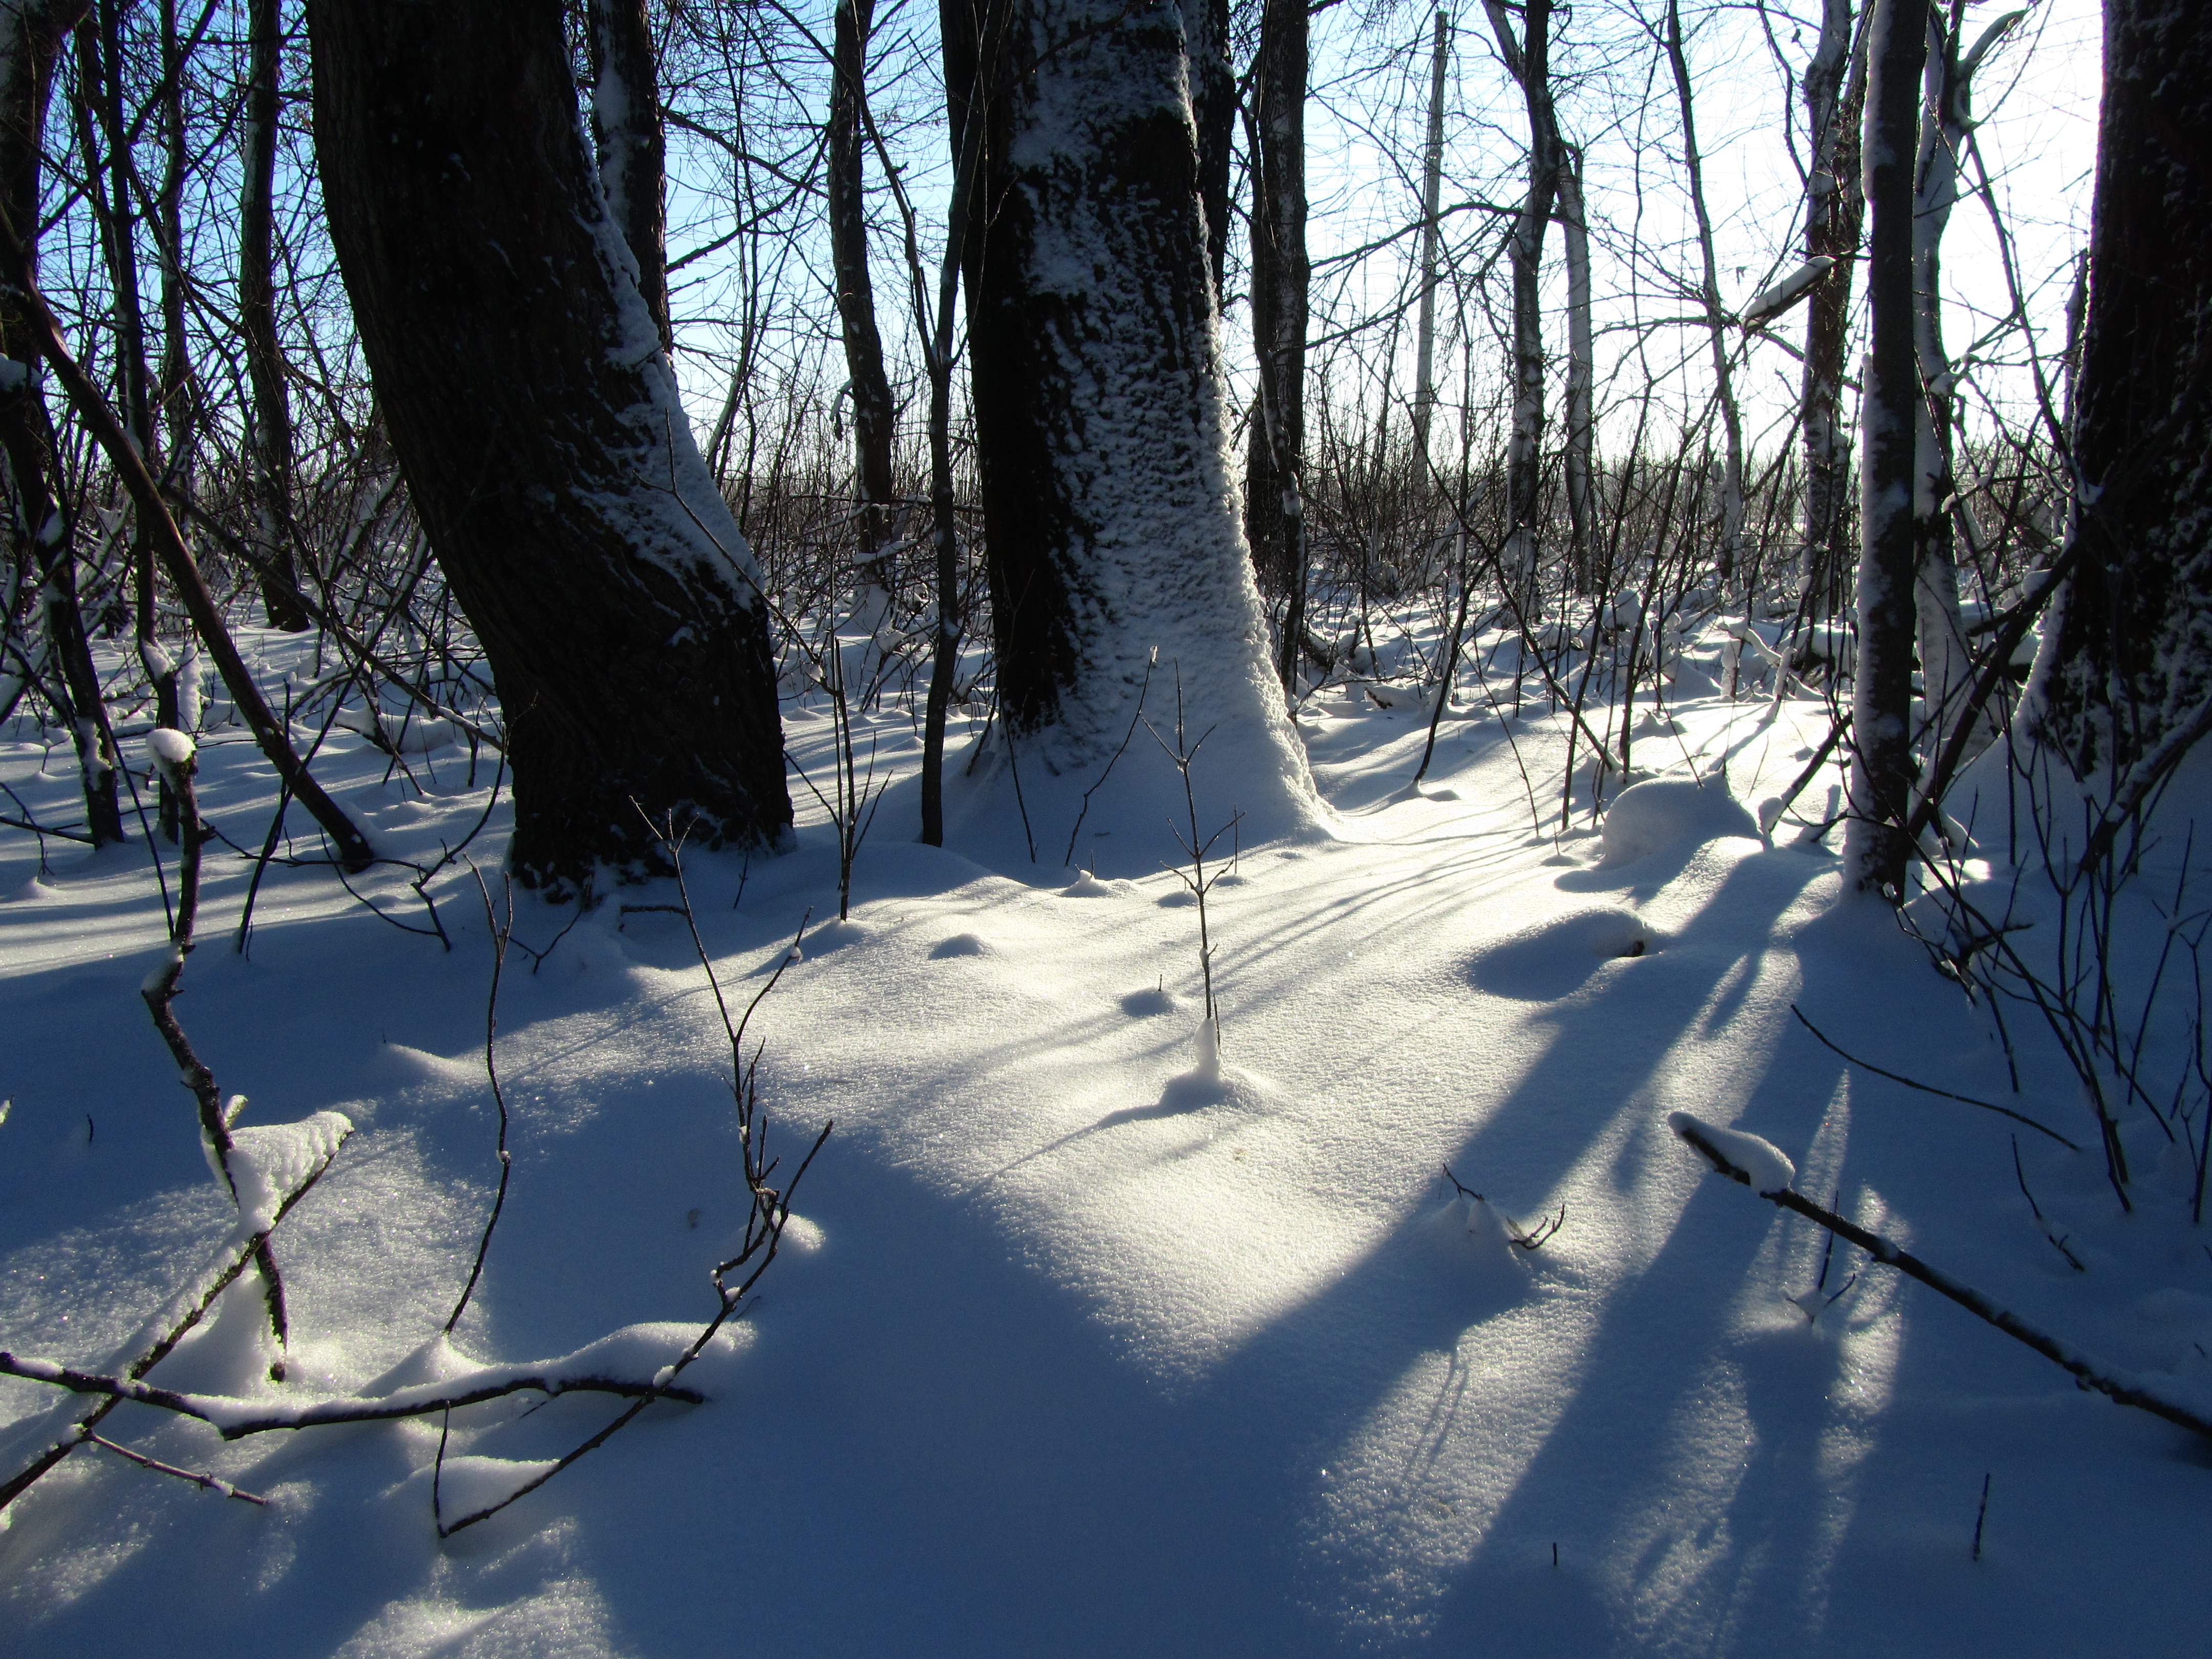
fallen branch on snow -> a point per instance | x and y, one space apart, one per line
2091 1374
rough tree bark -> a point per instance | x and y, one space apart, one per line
1111 521
1213 110
872 409
2130 674
535 420
1875 846
31 36
627 131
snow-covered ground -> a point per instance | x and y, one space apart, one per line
1081 1344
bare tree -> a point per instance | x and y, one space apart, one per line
1876 846
874 412
537 421
31 36
1835 210
626 129
2128 682
1274 504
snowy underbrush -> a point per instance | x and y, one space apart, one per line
1104 1330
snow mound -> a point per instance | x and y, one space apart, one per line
1087 887
1768 1166
30 891
1155 999
405 1065
961 944
835 935
1662 813
1554 958
1467 1231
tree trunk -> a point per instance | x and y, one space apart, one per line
1835 210
1110 520
536 419
1275 502
271 422
1432 189
1581 362
173 390
1528 60
2132 666
1875 846
626 129
1716 314
1213 110
872 409
31 36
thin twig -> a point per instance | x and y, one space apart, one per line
1929 1088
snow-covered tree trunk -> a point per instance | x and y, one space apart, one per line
536 422
1835 210
1875 846
31 36
1110 516
270 436
1275 505
874 412
626 130
1527 60
2132 662
1432 186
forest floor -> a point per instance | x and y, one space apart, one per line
1079 1347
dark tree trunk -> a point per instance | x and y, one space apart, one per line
872 409
1214 109
257 306
1527 60
536 422
1835 202
1274 500
2132 669
174 387
31 37
626 128
1875 846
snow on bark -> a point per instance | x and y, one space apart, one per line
1769 303
536 419
1118 568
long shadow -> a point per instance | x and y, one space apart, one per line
1344 1350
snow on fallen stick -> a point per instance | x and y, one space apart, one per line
631 1362
1760 1164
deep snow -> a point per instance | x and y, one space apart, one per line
1082 1345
